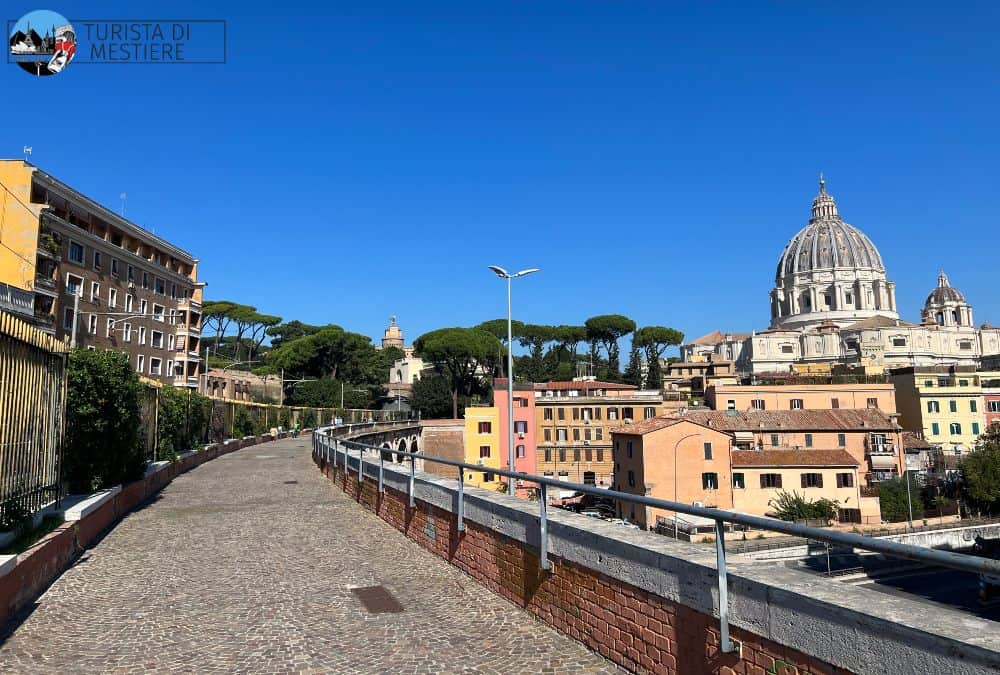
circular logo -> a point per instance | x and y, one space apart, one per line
43 42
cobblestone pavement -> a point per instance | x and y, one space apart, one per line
246 564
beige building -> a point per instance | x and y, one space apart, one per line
944 404
573 422
871 437
119 286
240 385
802 397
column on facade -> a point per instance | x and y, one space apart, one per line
891 287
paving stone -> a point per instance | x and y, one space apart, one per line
234 569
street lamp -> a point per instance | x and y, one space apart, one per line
504 274
677 446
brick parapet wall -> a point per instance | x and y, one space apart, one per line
44 561
650 604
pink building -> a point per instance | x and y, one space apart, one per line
525 449
991 399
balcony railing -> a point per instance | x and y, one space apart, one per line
16 300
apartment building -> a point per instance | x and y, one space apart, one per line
990 382
802 397
482 446
573 422
871 437
82 272
679 459
525 445
943 403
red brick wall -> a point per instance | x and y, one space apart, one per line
631 627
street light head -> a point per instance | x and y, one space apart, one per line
499 271
530 270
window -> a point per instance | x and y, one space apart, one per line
955 429
993 406
68 318
586 434
170 368
739 483
521 427
142 335
973 406
872 403
589 455
74 284
774 440
628 447
114 267
111 327
154 366
627 414
648 413
157 312
757 404
770 480
928 383
145 280
173 290
76 253
519 451
845 480
576 433
708 450
710 481
796 404
140 364
487 477
812 480
899 342
600 453
170 342
547 434
597 413
965 344
835 403
576 454
975 428
787 349
612 413
561 413
131 273
935 429
95 292
547 414
112 297
730 404
97 260
589 478
160 287
848 299
842 440
631 478
562 454
953 405
963 383
576 413
484 451
485 427
561 435
599 434
143 307
809 440
156 339
92 325
127 332
933 407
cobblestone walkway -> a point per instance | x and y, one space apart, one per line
246 564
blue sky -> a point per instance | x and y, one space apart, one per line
651 157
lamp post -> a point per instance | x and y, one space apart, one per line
677 446
504 274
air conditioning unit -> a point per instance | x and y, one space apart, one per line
520 434
698 504
628 420
131 285
479 462
586 442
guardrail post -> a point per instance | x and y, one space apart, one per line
543 527
381 471
461 499
361 465
412 478
720 554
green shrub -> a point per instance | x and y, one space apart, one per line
793 506
892 500
243 423
307 419
182 422
102 446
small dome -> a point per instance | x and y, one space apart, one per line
944 293
827 242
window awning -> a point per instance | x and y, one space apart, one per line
743 436
883 462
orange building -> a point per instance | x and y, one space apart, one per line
802 397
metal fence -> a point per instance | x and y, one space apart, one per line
335 448
32 397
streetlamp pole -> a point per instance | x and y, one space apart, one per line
504 274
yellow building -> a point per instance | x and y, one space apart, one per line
945 403
19 223
482 445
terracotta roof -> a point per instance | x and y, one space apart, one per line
655 424
542 386
912 441
715 337
867 419
747 458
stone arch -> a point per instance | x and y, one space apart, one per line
401 447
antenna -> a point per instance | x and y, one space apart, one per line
123 197
27 152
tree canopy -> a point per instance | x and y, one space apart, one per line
607 329
981 472
466 354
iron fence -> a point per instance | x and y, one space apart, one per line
336 449
32 396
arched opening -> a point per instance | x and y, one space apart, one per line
414 447
401 448
939 319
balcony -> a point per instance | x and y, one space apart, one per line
17 301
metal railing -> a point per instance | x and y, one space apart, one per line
328 440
